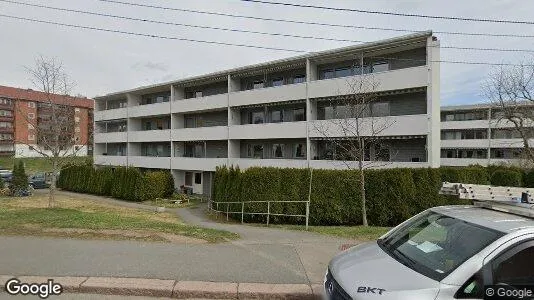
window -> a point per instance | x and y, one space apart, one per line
257 151
299 78
257 84
435 245
188 178
198 94
76 109
77 119
31 104
6 113
327 74
515 267
343 72
30 126
380 109
299 115
198 178
5 101
276 116
300 150
257 117
278 150
31 137
6 125
189 122
278 81
77 129
380 66
31 116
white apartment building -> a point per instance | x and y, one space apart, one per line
268 114
477 134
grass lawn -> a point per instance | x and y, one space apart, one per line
361 233
86 218
36 164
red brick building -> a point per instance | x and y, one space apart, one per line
19 106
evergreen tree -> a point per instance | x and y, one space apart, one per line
20 179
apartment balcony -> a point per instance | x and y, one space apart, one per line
6 130
155 109
213 102
149 162
268 95
245 163
111 114
111 137
388 80
463 162
200 133
149 136
378 126
197 164
509 143
268 130
353 165
459 144
6 118
472 124
109 160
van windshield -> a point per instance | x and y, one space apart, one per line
435 245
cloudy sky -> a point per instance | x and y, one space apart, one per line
103 62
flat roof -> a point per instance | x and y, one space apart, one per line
294 59
474 106
500 221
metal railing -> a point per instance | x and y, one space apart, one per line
268 213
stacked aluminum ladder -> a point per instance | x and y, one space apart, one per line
514 200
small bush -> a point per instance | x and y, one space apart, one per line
506 177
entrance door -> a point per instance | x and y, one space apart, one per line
197 183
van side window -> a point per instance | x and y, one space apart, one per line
515 267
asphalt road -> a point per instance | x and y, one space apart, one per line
263 255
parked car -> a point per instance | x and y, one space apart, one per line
448 252
38 181
7 176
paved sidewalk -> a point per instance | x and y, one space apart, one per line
73 287
262 255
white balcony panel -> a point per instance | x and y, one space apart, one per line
108 160
509 143
245 163
111 114
149 110
353 165
378 126
111 137
149 162
462 162
197 164
269 130
149 136
268 95
390 80
465 124
215 102
200 133
453 144
495 123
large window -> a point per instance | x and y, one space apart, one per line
300 150
255 151
299 79
299 114
257 117
278 151
343 72
276 116
327 74
278 81
258 84
435 245
464 116
381 66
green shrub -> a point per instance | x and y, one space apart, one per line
20 179
122 183
506 177
528 179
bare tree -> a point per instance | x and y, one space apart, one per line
353 129
53 126
511 91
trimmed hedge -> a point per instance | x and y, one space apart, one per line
123 183
506 177
393 195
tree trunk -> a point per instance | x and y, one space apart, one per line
362 193
52 189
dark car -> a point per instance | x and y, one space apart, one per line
6 176
38 181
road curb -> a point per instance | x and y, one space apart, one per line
176 289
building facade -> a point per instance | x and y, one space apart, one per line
269 114
23 109
477 134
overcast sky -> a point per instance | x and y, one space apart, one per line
102 62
